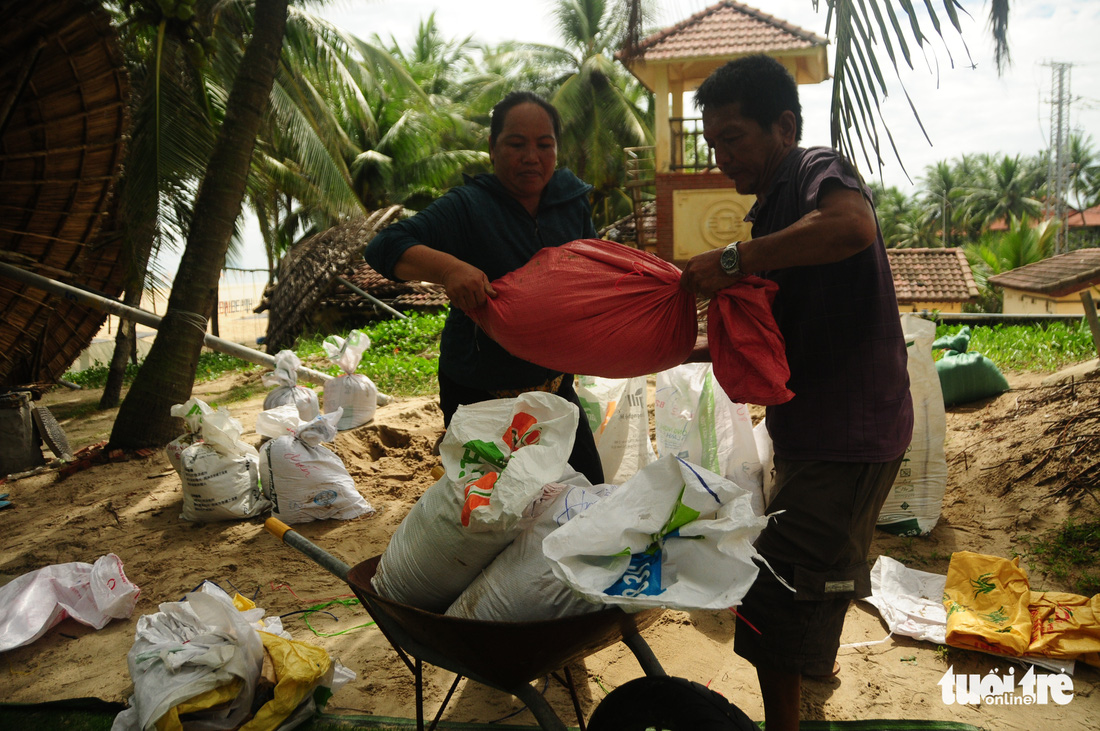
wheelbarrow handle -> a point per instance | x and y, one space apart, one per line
292 538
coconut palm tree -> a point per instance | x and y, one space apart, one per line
1006 188
144 418
1025 242
171 138
603 108
893 208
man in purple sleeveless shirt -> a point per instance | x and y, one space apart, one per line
840 440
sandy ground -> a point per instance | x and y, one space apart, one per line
131 508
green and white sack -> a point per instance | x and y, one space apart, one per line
497 457
696 421
675 535
192 412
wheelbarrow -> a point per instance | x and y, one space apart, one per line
507 656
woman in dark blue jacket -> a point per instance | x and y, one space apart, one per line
479 232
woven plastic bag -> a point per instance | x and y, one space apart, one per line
616 409
287 390
303 479
520 584
497 456
915 501
696 421
220 474
92 594
746 347
674 535
615 312
192 412
353 392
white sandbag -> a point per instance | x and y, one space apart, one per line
520 584
304 480
279 421
192 412
497 456
287 390
675 535
697 422
616 412
92 594
765 450
221 473
915 501
353 392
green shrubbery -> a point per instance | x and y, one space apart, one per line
401 360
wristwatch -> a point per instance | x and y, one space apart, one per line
731 259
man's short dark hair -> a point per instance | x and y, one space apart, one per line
514 99
762 87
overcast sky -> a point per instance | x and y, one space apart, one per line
964 109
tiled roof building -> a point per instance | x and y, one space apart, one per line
1053 286
723 30
932 279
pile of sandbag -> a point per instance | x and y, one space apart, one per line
215 662
497 457
303 479
486 541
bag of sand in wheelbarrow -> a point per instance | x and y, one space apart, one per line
497 457
675 535
303 479
520 585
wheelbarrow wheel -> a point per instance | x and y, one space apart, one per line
667 704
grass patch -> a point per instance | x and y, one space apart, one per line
402 359
1069 553
1039 348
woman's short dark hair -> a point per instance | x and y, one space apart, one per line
759 84
514 99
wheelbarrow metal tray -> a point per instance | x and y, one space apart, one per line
503 655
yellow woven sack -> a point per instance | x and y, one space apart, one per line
299 667
987 599
1065 626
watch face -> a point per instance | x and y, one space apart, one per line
729 259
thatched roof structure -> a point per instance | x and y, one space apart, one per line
63 119
308 271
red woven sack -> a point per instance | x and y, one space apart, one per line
595 308
746 347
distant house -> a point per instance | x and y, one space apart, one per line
1075 220
932 279
1052 286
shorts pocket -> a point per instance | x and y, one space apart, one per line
851 582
